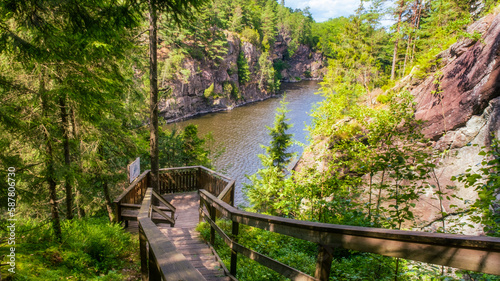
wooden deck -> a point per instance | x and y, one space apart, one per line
186 239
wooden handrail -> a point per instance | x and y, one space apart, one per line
460 251
215 173
277 266
163 261
131 186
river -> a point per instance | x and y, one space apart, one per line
242 130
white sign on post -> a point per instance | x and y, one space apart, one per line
134 169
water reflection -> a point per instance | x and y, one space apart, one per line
243 130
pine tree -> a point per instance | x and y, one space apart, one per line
281 140
267 183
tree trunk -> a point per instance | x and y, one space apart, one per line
107 198
395 54
417 26
153 82
50 175
67 160
78 197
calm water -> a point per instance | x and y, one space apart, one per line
242 130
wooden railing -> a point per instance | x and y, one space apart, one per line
159 258
133 195
173 180
461 251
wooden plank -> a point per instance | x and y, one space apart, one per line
214 173
461 251
167 218
323 263
163 201
226 191
138 206
172 264
305 228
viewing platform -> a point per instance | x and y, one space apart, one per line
171 249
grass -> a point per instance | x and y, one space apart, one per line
92 249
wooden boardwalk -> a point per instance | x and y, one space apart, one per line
186 239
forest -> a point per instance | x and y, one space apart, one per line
79 101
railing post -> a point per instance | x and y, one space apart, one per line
198 178
144 254
118 212
232 194
234 254
323 263
212 229
154 272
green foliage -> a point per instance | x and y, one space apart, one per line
186 148
243 69
279 65
209 92
383 98
267 184
173 67
486 182
251 35
231 90
267 74
92 249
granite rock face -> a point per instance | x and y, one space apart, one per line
460 104
461 110
187 93
465 87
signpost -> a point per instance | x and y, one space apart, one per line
134 169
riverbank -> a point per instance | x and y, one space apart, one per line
242 130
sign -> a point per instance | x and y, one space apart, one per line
134 169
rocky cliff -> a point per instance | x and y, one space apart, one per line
461 108
213 85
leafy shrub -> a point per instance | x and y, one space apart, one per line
251 36
383 98
209 92
92 248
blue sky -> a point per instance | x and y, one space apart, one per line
323 10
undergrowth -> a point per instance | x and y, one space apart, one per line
301 255
346 265
91 249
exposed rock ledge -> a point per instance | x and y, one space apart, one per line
462 112
187 97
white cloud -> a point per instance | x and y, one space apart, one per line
323 10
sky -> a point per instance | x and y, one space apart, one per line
323 10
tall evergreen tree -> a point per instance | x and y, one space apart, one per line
58 59
267 183
176 11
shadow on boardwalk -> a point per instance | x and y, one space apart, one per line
185 238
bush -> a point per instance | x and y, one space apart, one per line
209 92
92 248
251 36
